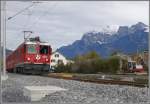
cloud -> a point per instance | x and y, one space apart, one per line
62 22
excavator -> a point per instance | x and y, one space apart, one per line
134 67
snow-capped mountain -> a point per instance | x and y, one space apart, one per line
126 39
138 27
95 37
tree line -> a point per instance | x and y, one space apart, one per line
91 63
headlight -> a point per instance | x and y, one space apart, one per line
28 58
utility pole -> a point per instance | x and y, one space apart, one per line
1 42
149 66
3 37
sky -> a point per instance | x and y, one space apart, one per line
62 22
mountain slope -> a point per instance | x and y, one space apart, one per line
126 40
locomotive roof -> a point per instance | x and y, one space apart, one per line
41 43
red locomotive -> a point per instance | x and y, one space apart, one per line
32 56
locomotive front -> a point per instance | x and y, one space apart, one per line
37 57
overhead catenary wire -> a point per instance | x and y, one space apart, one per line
37 19
24 27
23 10
43 15
30 13
20 12
9 18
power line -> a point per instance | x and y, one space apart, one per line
26 23
46 12
37 20
30 13
21 11
27 8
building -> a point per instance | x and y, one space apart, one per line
58 58
124 56
136 58
141 58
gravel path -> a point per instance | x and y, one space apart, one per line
78 92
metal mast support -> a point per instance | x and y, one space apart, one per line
3 36
149 66
1 40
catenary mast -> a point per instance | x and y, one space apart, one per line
3 38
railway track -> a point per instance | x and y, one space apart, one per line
118 82
103 81
98 81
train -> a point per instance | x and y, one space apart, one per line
31 57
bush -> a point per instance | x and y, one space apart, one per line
91 63
63 68
86 63
114 64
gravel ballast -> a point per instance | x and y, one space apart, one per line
77 93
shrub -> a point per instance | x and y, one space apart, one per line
91 63
114 64
63 68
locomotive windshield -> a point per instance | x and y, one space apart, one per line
43 49
31 48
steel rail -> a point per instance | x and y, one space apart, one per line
102 81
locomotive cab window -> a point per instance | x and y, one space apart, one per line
43 49
31 49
